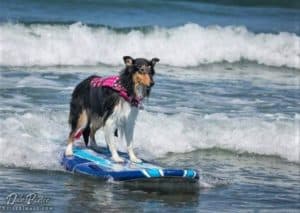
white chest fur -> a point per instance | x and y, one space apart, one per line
125 114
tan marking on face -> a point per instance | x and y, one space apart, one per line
142 79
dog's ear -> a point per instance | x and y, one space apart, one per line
154 61
128 60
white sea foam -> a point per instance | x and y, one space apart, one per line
32 141
37 141
184 133
188 45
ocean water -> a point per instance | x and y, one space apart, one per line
226 100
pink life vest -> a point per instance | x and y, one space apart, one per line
113 82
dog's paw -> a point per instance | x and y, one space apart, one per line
118 159
135 160
69 150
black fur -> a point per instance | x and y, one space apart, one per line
98 101
79 101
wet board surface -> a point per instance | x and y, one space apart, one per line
99 164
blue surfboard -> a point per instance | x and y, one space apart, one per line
99 164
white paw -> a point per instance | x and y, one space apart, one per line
69 151
118 159
136 160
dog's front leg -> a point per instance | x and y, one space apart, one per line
129 128
109 134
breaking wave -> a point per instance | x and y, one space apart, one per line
187 45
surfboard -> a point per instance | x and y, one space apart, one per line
99 164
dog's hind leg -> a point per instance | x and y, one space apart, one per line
76 131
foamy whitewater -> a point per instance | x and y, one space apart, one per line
187 45
38 142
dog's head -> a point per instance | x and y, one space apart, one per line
141 71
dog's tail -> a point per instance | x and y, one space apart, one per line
86 134
79 102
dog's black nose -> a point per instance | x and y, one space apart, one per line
152 84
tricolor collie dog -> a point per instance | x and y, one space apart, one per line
112 103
